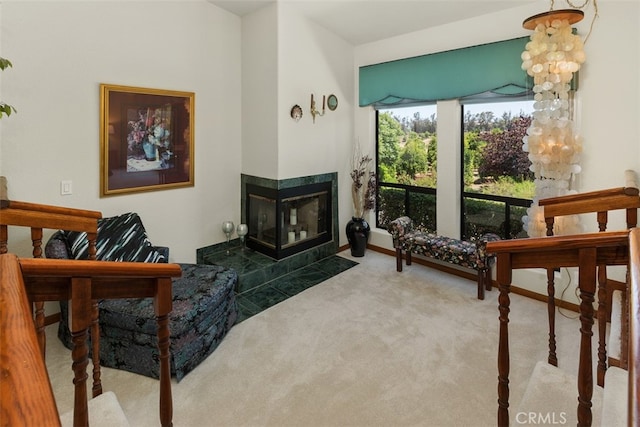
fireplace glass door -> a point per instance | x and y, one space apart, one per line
287 221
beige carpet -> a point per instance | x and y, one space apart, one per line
369 347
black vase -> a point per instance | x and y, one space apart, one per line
358 235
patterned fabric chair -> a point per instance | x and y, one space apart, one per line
204 304
468 254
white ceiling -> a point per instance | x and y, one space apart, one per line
365 21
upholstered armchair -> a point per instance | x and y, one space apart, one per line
204 304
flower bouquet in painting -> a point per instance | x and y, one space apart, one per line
149 138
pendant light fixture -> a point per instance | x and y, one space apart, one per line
552 57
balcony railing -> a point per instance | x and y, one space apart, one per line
396 200
489 213
482 213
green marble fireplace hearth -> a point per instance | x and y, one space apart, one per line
263 281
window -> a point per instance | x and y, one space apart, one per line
406 184
407 164
497 183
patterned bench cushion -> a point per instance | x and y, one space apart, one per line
470 254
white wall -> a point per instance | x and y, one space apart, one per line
260 99
283 65
62 51
312 60
607 104
286 58
246 74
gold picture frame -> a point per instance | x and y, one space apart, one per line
146 139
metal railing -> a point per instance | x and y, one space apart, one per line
481 213
488 216
395 200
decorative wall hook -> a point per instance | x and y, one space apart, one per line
296 112
314 111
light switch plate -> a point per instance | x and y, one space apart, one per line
66 188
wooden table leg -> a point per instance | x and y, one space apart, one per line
481 278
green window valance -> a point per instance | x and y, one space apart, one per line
483 71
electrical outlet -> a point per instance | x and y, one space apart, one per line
66 188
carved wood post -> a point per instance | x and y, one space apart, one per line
504 278
96 390
551 314
603 219
36 239
4 237
80 320
551 302
587 284
602 324
162 304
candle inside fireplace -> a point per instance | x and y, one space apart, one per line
293 216
292 236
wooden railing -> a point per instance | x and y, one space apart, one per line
585 251
84 281
38 217
634 329
26 397
600 202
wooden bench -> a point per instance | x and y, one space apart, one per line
468 254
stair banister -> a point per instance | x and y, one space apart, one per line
37 217
84 281
634 330
600 202
26 396
585 251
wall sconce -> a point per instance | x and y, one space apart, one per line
315 112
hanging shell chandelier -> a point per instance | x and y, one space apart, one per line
552 57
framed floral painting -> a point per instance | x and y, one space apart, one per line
146 139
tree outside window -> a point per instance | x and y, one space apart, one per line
495 165
407 164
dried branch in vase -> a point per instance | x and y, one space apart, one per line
363 187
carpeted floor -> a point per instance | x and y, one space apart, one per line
368 347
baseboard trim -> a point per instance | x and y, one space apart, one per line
473 276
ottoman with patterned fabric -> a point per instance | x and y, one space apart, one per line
204 304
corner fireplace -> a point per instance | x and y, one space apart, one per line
289 216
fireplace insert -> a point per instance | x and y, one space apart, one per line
285 221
